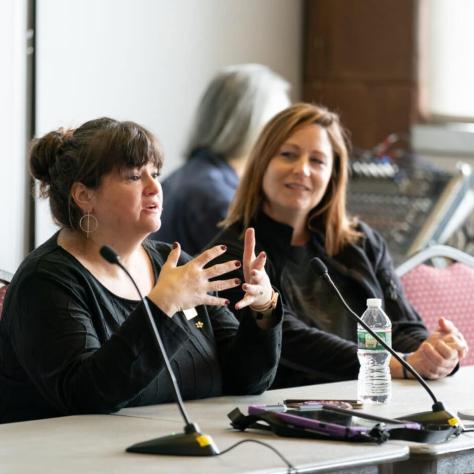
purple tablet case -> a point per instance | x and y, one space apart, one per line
330 428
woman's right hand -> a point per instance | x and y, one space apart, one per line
186 286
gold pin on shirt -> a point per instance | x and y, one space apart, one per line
199 324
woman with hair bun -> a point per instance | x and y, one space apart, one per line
74 338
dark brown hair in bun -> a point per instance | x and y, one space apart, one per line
85 154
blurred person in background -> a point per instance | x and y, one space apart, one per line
236 105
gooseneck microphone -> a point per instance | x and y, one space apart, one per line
438 417
190 443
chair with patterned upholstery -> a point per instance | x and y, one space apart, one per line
5 279
444 288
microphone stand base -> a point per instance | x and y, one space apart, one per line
438 418
437 426
178 444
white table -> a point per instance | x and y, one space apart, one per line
456 392
96 443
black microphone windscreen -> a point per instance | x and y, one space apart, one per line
318 266
109 254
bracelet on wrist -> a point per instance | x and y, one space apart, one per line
264 311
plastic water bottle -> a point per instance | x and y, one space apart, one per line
375 381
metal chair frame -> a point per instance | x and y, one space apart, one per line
434 252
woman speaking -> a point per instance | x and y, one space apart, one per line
74 337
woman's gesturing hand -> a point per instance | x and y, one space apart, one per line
186 286
257 287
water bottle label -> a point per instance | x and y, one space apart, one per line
368 342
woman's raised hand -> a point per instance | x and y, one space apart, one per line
186 286
257 287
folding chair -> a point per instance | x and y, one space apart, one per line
443 289
5 279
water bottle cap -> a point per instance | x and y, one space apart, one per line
374 302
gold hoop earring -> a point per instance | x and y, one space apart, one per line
88 223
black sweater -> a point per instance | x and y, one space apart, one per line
319 339
68 345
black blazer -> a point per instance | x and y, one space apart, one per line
319 339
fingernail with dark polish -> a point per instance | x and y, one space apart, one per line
175 245
238 264
227 302
224 247
237 281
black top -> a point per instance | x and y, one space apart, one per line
319 338
69 346
195 199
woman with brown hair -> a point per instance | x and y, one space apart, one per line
74 337
293 193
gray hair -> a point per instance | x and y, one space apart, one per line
234 108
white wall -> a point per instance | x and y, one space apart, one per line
149 60
12 130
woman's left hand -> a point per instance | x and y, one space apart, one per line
439 354
257 287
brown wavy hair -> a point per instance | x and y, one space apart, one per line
85 154
329 216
